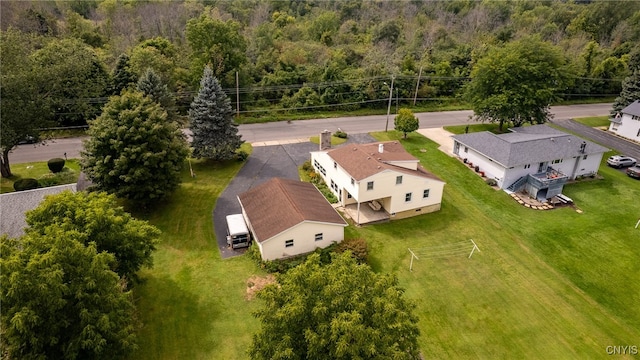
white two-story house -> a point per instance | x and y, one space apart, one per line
538 158
627 122
383 176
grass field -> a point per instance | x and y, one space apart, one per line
37 170
546 284
595 121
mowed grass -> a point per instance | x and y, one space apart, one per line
35 170
192 303
545 284
594 121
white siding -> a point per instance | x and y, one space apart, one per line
629 128
303 236
338 175
384 186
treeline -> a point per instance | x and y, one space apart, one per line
302 55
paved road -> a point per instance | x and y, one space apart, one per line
601 137
305 128
265 162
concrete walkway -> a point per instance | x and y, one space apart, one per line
440 136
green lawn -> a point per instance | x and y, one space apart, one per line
334 140
594 121
546 284
37 170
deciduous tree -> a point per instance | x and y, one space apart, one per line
72 77
60 300
97 218
337 311
133 151
215 135
23 108
406 122
217 43
517 82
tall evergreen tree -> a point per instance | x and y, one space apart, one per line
630 86
122 77
133 151
630 92
152 85
215 135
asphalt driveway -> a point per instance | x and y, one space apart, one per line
265 162
602 137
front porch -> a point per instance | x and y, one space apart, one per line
366 215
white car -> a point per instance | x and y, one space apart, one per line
618 161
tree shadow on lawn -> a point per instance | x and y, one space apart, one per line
175 323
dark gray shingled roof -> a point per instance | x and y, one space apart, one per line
632 109
528 145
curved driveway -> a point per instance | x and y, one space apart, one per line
265 162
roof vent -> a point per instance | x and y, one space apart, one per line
380 148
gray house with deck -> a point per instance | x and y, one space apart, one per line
538 158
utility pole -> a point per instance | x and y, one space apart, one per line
415 96
386 127
237 96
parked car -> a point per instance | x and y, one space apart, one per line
29 139
619 161
634 171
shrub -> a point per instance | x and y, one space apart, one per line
307 166
283 265
357 247
341 134
491 182
241 155
25 184
64 177
56 165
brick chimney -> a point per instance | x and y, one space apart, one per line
325 140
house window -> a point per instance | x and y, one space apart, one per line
557 161
466 149
319 237
370 185
335 165
638 134
398 180
407 197
425 194
333 185
584 157
349 196
353 182
527 166
288 243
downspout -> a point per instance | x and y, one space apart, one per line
575 168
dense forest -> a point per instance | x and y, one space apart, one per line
298 55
